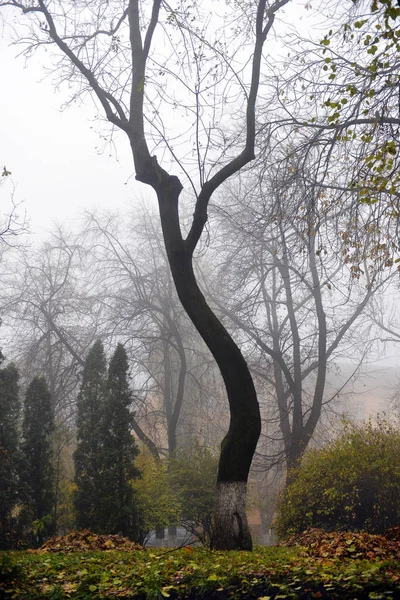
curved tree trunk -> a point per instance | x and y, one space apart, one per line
231 528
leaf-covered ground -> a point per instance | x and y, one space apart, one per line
83 541
322 544
316 570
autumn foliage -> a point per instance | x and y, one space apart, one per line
346 545
351 484
85 541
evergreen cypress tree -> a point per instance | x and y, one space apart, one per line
9 443
119 451
37 474
87 456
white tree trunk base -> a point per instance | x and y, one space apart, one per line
231 530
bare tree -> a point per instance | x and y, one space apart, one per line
11 222
294 299
53 312
120 53
47 316
170 368
106 282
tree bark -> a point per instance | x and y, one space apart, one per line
231 530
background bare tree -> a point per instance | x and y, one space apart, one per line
111 280
172 371
49 316
295 302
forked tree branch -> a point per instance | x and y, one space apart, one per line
247 154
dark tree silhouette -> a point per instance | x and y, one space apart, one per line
9 442
87 456
118 452
37 474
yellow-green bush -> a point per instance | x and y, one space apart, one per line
353 483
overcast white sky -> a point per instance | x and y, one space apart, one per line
51 153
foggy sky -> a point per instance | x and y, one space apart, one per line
56 168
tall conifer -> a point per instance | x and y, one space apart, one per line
37 474
119 451
88 455
9 442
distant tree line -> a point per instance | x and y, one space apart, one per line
112 492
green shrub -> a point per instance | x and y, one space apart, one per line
193 476
10 570
352 484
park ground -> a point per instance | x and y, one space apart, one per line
337 566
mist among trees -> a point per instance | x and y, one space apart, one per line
145 347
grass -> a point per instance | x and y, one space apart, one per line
265 573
